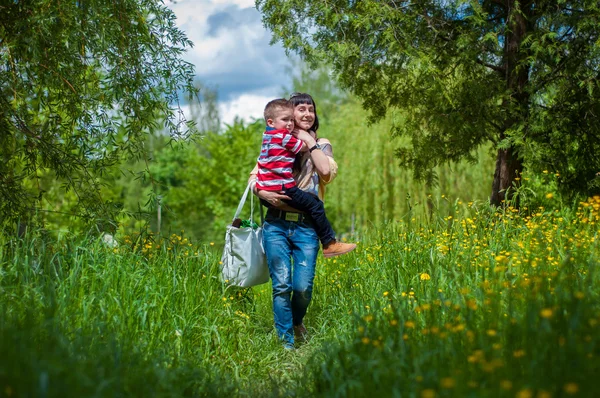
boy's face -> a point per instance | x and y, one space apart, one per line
283 120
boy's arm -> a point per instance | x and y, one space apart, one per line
292 143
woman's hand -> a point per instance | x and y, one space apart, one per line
305 136
273 197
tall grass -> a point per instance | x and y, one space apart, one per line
477 303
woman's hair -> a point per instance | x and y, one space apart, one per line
303 98
299 99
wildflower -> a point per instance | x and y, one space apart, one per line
571 388
428 393
385 294
525 393
368 318
393 322
546 313
212 243
365 340
518 353
409 324
472 304
425 276
447 382
491 332
549 195
506 384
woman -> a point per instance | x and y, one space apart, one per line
289 235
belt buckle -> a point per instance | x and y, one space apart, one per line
292 217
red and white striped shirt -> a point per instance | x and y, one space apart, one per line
277 155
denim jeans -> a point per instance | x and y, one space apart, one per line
291 249
312 205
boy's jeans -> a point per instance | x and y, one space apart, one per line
285 241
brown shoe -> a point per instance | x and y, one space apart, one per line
300 333
336 248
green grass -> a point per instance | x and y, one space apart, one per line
478 304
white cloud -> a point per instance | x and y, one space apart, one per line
246 106
231 51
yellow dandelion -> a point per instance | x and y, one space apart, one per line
518 353
385 294
543 394
212 243
428 393
571 388
447 382
501 259
546 313
506 384
549 195
425 276
524 393
409 324
365 340
491 332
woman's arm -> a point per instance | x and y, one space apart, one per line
273 197
320 158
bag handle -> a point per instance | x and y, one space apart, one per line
243 202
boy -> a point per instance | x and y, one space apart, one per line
277 155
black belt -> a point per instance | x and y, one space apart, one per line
288 215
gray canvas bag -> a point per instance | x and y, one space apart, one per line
244 262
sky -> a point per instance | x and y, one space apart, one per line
232 54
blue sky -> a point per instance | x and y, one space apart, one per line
232 54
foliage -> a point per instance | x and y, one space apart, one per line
365 156
483 303
82 83
521 75
202 182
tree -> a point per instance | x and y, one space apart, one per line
81 84
520 74
202 182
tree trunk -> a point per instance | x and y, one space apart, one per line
508 167
508 164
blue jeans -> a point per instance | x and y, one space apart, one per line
291 249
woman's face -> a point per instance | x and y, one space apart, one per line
304 116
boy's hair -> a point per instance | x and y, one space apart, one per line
275 106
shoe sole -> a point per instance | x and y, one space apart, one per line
337 254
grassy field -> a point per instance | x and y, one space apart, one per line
473 303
